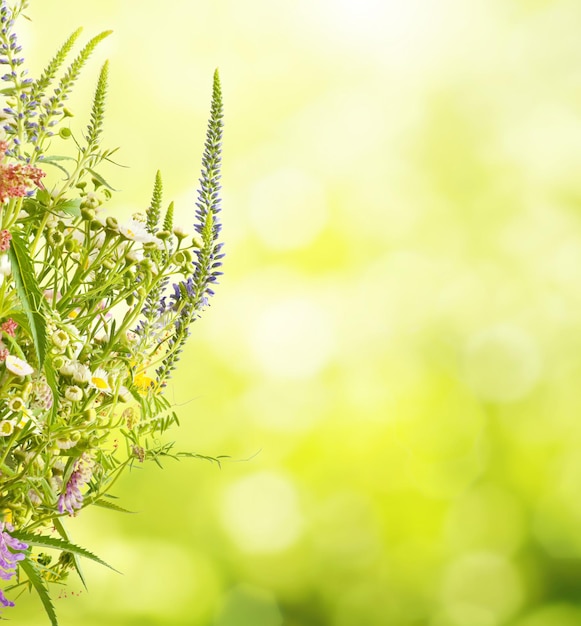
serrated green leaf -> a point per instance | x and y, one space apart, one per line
72 207
29 293
62 531
36 581
52 382
112 506
41 541
43 196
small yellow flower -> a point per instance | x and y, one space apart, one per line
143 383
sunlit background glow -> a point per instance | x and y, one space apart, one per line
392 361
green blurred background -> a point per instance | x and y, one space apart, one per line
393 358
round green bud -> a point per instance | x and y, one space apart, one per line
71 245
65 133
182 257
87 213
58 362
112 223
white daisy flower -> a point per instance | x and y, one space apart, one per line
18 366
81 373
136 231
16 404
6 428
180 232
100 380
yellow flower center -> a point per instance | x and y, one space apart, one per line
100 383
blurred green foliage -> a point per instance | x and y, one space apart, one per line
392 359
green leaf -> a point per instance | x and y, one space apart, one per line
100 179
43 196
72 207
52 382
29 293
36 581
62 531
55 157
112 506
41 541
204 457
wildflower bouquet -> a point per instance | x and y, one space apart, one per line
93 313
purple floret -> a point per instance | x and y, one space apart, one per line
11 551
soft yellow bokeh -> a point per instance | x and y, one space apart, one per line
392 359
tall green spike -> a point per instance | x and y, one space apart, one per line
168 221
76 66
98 110
65 86
154 211
39 86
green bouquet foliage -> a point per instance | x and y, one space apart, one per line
94 313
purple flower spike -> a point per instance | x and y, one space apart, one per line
72 498
10 553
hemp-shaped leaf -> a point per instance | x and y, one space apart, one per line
29 568
62 531
29 294
40 541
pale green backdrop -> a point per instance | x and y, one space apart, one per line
393 358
